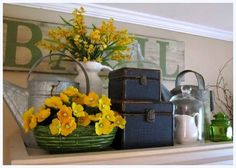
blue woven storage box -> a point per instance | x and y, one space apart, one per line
134 84
148 124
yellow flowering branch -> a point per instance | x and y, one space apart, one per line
98 44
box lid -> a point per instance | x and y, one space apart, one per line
149 110
142 107
134 73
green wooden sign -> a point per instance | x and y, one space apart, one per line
20 51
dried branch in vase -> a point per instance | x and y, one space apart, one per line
224 96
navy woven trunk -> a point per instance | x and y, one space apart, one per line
148 125
134 84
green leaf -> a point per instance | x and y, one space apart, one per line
107 55
94 27
116 48
58 42
66 22
72 42
119 63
104 62
52 41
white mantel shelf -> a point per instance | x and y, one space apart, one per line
209 153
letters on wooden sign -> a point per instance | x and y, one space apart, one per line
20 51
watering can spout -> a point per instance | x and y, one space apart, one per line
16 98
165 93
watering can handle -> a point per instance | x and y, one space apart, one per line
200 79
58 54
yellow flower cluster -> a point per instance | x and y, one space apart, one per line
71 109
99 44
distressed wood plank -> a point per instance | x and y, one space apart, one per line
20 54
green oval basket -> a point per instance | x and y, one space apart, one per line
83 139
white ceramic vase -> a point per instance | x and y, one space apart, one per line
93 69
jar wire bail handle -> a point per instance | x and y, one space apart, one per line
70 57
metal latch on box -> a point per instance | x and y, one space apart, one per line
143 80
150 115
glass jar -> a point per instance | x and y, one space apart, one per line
220 128
189 117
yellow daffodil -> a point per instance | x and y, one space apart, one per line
78 20
29 120
91 99
78 110
55 127
43 114
104 103
116 57
103 127
85 59
77 38
79 99
68 127
58 33
95 117
65 114
99 59
109 115
91 49
71 91
84 121
120 122
116 113
64 98
107 27
95 35
54 102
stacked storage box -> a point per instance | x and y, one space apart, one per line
135 93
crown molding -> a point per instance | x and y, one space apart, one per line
121 15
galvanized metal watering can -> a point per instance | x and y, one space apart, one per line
199 92
20 99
